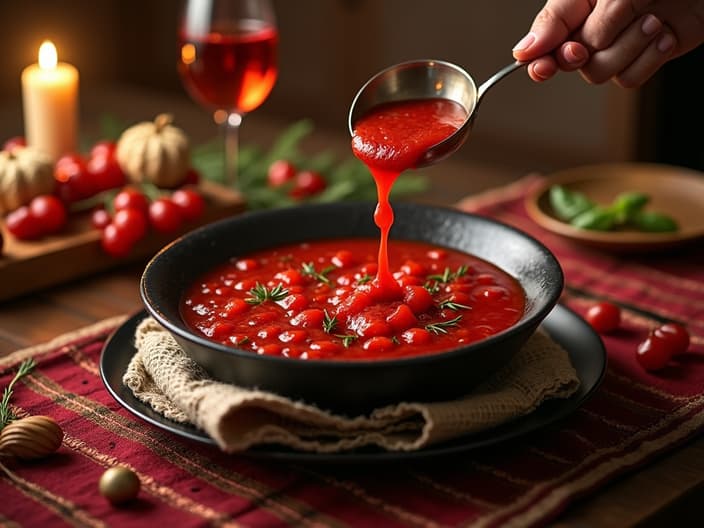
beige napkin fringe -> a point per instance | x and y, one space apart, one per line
161 375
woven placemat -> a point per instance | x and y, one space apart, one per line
161 375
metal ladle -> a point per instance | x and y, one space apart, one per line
423 79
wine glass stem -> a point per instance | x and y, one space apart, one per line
231 131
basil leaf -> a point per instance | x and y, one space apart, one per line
595 219
568 204
654 222
627 204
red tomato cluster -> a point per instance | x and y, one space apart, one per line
300 184
134 214
656 350
44 215
78 177
661 345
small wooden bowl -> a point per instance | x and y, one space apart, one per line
675 191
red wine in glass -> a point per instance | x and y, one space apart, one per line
232 71
228 62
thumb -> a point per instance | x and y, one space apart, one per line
551 27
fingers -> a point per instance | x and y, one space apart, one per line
606 22
551 27
569 57
651 60
633 56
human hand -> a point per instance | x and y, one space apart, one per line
626 41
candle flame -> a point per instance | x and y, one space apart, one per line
47 55
188 53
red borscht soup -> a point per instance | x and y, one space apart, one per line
319 300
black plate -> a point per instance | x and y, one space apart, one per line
583 345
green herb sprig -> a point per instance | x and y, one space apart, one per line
364 279
452 305
347 339
6 415
329 322
347 178
310 271
441 326
448 275
626 210
261 293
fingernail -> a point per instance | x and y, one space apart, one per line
540 75
651 25
666 43
525 42
574 54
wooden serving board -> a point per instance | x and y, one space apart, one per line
28 266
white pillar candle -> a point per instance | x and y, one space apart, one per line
50 101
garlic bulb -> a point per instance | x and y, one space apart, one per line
154 152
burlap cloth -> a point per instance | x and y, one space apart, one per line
161 375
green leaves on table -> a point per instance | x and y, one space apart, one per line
347 178
627 210
6 413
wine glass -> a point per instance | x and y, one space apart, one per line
228 62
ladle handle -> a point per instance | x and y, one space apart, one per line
491 81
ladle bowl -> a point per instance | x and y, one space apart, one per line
425 79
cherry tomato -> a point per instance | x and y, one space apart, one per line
418 299
131 222
280 172
50 212
105 172
165 215
654 352
100 218
23 225
604 317
676 335
190 202
73 181
307 183
13 143
192 177
114 242
103 149
131 198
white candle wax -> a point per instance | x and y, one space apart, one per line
50 101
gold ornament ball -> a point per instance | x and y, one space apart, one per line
119 485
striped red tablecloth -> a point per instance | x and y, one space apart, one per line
633 417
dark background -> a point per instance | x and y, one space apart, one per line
330 47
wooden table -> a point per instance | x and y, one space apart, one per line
668 492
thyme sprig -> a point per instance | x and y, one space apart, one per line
261 293
448 275
347 339
309 270
452 305
433 287
329 322
364 279
441 326
6 415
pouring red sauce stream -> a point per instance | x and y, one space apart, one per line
330 299
390 139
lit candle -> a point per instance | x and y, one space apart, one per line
50 100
